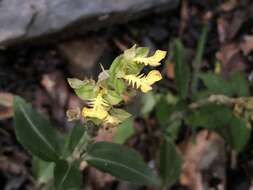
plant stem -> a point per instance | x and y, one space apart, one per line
245 102
198 58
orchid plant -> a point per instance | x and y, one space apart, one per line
63 162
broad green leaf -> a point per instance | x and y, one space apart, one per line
34 132
236 133
67 176
182 70
43 171
170 163
124 131
75 136
121 162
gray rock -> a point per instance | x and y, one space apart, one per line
26 19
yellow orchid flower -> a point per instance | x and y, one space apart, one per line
143 82
92 113
153 60
99 102
98 108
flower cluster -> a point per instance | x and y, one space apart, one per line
102 96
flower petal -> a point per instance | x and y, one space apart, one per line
153 60
153 76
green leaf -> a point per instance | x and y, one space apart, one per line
170 163
124 131
43 171
220 117
215 84
173 129
149 101
240 133
67 176
121 162
119 86
113 97
142 51
234 130
236 86
182 70
75 136
34 132
85 90
115 67
239 84
120 114
163 111
236 133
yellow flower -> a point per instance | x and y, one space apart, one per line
143 82
92 113
99 102
153 60
98 108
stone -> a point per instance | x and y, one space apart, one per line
83 55
28 19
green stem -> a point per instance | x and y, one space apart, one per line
198 58
246 102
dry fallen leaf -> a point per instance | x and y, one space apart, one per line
231 59
6 100
82 55
206 156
